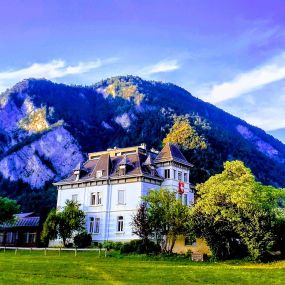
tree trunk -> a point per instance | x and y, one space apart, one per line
164 248
173 243
64 241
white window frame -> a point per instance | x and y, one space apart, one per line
120 224
93 199
99 173
97 226
74 197
91 225
99 198
96 198
124 197
185 199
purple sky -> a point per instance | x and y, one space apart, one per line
230 53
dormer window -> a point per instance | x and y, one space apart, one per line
152 170
99 173
122 169
124 165
78 171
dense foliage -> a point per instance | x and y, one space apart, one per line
238 215
184 135
162 217
8 208
64 224
82 239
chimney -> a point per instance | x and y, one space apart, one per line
143 145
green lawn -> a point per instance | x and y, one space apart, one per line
88 268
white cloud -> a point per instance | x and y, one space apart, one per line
50 70
269 121
248 81
166 65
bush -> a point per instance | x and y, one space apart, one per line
82 240
138 246
112 245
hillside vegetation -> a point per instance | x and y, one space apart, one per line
47 128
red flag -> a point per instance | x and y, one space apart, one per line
181 187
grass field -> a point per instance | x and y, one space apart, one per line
88 268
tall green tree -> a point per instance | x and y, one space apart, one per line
64 224
8 208
233 207
167 217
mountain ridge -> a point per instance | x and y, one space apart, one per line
119 111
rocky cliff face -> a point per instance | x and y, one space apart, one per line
32 149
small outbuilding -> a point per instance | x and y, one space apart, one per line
23 232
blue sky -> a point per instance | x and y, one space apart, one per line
229 53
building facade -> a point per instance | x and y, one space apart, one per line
110 184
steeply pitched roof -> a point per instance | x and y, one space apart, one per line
125 161
104 164
149 160
171 152
79 167
110 166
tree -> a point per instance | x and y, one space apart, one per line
141 225
167 217
184 135
233 208
8 208
64 224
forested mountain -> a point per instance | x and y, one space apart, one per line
47 128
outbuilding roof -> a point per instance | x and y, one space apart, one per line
23 220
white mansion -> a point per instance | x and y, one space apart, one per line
109 186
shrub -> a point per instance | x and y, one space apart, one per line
112 245
82 240
138 246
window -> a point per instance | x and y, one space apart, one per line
96 198
99 173
93 198
185 177
179 175
120 224
174 174
122 169
9 237
97 225
91 225
74 198
185 199
167 173
121 197
190 241
99 198
29 237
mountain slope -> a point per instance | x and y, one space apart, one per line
47 128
